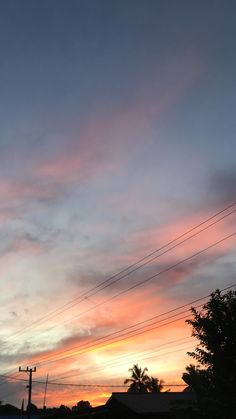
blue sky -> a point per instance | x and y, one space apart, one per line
117 133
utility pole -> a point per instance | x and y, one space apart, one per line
45 393
30 371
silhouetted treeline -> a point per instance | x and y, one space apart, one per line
83 406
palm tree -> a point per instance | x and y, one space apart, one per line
155 385
139 380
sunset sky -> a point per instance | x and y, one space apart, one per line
117 135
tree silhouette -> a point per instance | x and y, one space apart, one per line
155 385
215 329
198 380
139 380
83 406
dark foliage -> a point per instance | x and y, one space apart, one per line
215 329
8 410
155 385
83 406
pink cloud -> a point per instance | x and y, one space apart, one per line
104 140
26 246
17 190
7 214
154 238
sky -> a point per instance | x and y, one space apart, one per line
117 135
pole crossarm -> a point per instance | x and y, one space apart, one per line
30 371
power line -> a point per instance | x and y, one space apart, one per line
135 355
63 384
86 385
145 358
147 353
46 357
85 295
140 358
115 281
112 363
144 281
88 347
164 270
154 276
182 261
147 319
47 360
156 357
167 344
135 332
6 374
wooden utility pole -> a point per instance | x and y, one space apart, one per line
45 393
30 371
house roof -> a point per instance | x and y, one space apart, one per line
153 402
